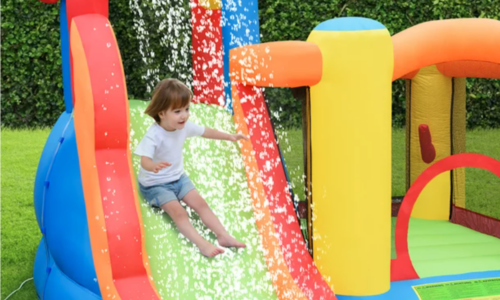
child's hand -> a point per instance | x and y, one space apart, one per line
238 136
160 165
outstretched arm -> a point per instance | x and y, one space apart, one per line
148 164
217 135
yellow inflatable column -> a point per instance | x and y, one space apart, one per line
437 101
351 155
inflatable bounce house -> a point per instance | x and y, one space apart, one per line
101 241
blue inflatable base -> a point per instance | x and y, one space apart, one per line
58 285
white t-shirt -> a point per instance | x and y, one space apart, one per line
161 145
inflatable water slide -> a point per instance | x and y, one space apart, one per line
101 241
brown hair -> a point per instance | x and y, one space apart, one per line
168 93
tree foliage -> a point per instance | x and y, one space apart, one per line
31 57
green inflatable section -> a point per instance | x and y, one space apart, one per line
217 170
444 248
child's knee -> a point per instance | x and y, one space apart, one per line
200 205
176 212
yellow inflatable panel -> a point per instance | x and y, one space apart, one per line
430 104
351 159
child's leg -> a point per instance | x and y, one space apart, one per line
196 202
181 219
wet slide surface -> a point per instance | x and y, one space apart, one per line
217 170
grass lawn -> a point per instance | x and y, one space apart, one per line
21 151
482 187
291 146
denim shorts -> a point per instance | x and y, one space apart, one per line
157 195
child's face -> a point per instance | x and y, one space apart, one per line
174 119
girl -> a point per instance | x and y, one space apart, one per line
162 180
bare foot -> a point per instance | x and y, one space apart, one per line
210 250
229 241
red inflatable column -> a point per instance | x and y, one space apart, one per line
208 77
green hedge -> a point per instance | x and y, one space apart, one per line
31 64
294 19
31 67
32 94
